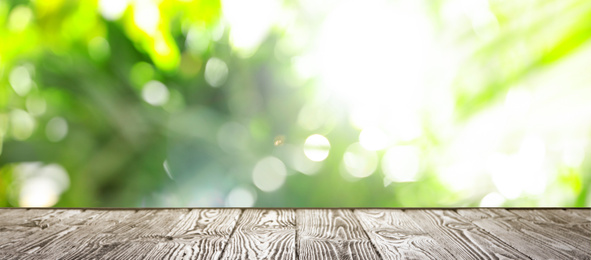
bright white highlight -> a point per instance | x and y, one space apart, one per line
316 147
155 93
112 9
373 139
517 103
19 18
492 199
146 16
269 174
20 80
521 172
41 185
22 124
574 153
216 72
250 22
56 129
382 84
401 163
360 162
241 197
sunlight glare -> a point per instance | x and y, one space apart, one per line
374 139
574 153
360 162
155 93
56 129
112 9
241 197
41 185
492 199
146 16
216 72
316 147
19 18
517 102
20 80
250 22
297 160
38 192
269 174
401 163
22 124
519 173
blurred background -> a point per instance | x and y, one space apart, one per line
295 103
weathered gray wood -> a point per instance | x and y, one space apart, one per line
125 234
557 219
461 237
332 234
83 235
202 234
295 234
397 236
263 234
182 234
580 212
16 224
536 239
42 229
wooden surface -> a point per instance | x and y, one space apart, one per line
470 233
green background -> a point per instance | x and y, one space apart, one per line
178 103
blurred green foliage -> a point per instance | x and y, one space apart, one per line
181 103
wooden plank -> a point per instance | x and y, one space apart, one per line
92 235
158 231
535 240
196 234
332 234
461 237
584 213
263 234
29 228
104 238
62 234
12 216
293 234
202 234
397 236
16 224
557 219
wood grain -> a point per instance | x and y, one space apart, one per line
539 240
431 234
202 234
558 219
263 234
125 234
175 234
332 234
43 231
17 224
461 237
295 233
